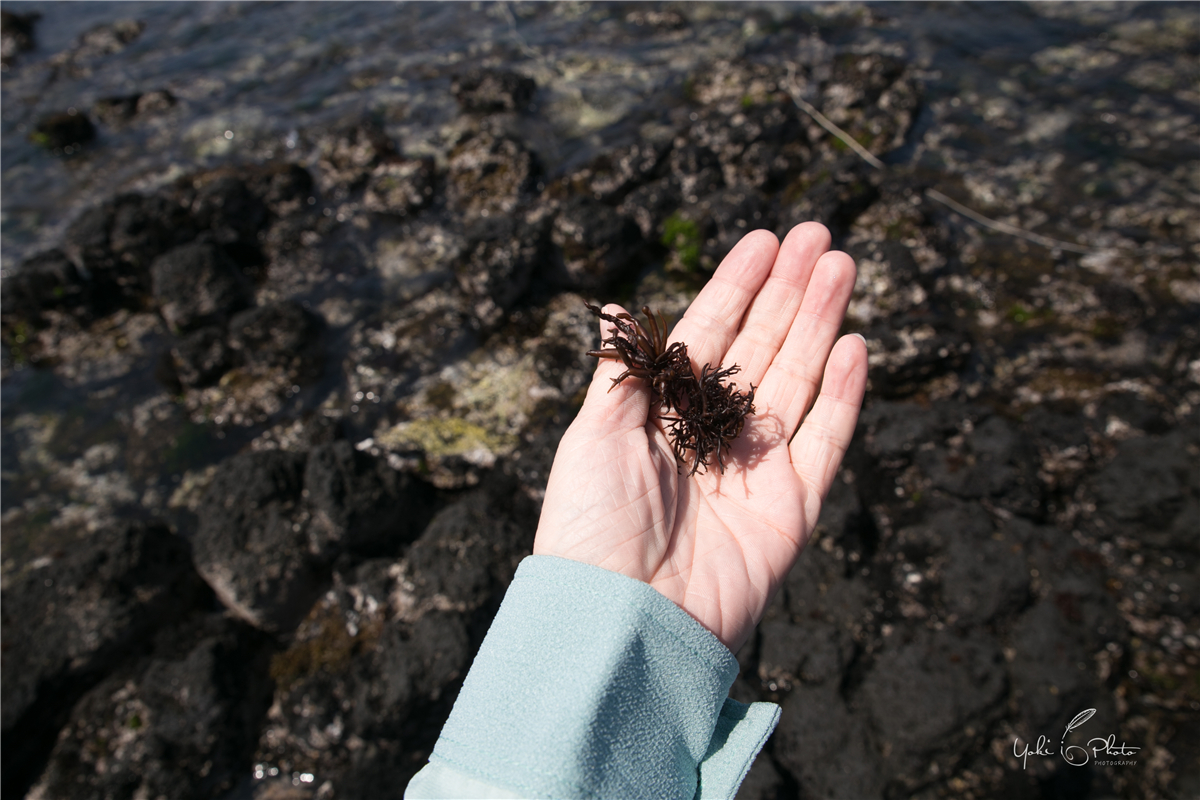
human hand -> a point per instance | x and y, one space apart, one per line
719 544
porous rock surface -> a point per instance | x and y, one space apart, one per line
278 420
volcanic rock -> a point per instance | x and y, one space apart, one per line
66 624
251 546
58 132
488 90
197 285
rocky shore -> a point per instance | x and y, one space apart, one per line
276 426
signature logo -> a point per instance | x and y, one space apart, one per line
1097 747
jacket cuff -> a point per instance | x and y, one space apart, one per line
592 684
740 734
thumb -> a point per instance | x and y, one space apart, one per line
623 405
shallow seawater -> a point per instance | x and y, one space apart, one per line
267 72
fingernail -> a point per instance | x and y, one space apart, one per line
860 336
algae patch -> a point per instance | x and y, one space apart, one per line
447 437
682 237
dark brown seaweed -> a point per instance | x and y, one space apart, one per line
709 412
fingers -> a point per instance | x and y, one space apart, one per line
794 376
623 405
770 316
820 444
712 321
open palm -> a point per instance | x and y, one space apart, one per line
719 544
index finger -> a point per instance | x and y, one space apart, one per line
715 316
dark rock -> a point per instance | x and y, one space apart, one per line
985 574
154 102
16 35
498 262
1140 414
488 90
762 146
650 205
87 237
993 460
283 186
1147 482
568 328
201 357
144 227
167 376
843 520
108 38
236 204
360 504
915 350
688 158
320 429
63 133
1052 663
114 110
48 281
840 604
920 542
251 546
1181 533
873 97
901 266
813 640
610 176
695 169
826 748
67 624
430 331
599 246
832 192
656 18
490 174
113 243
356 689
197 285
961 449
701 233
1073 577
817 590
1053 643
400 187
351 153
119 109
279 335
931 699
225 207
763 781
866 76
472 526
896 430
180 724
1184 598
123 583
806 651
371 674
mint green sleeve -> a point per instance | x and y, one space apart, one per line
590 684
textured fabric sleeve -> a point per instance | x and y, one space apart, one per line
590 684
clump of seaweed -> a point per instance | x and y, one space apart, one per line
709 412
713 418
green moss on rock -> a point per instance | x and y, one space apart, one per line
445 437
682 237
